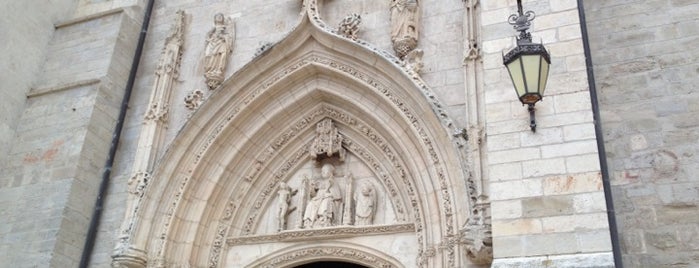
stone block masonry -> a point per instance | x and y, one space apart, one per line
546 187
645 58
51 174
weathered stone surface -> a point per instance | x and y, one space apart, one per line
649 116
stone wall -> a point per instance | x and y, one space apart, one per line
645 58
56 156
546 188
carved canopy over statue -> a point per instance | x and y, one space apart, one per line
219 45
328 141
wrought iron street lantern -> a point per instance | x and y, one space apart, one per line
528 63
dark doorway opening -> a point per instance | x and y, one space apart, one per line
330 264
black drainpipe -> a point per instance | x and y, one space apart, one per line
611 217
104 185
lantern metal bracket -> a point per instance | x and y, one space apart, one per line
532 118
521 22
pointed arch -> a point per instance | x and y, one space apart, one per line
224 164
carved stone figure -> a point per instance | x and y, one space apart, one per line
366 205
405 20
349 26
219 45
327 142
193 99
324 205
310 212
285 193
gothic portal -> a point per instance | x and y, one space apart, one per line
321 149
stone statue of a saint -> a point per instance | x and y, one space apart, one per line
219 45
285 193
366 205
405 22
324 204
310 212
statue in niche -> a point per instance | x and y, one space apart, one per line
324 205
219 45
366 204
285 193
405 19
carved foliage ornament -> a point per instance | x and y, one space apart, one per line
193 99
349 26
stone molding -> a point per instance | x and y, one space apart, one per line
594 260
327 251
321 233
150 138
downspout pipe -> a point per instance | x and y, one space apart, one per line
116 135
611 217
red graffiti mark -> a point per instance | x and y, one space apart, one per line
46 156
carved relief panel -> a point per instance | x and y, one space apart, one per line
330 194
334 188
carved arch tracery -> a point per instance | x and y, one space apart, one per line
199 171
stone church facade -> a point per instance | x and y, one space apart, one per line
286 133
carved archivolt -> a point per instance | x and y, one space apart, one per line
336 252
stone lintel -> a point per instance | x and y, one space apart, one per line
315 234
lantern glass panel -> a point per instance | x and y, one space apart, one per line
531 72
544 75
517 76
